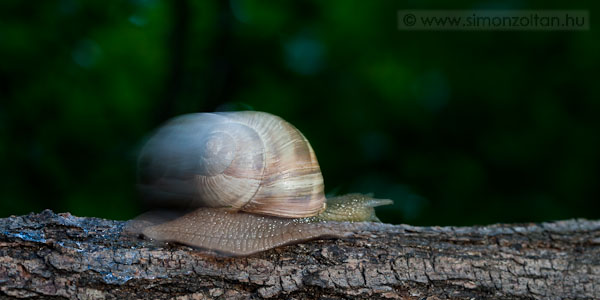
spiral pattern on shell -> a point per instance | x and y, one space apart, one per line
250 161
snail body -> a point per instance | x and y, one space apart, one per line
243 233
251 179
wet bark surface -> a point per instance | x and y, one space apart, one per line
60 256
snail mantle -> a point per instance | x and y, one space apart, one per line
59 255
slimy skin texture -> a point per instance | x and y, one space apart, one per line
239 233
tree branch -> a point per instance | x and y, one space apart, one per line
60 255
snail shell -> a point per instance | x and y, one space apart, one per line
243 161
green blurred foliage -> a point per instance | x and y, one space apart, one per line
457 127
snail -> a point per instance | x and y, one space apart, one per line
251 179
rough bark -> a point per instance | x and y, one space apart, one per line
58 255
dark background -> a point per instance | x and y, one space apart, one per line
457 127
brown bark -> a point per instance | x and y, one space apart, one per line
58 255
